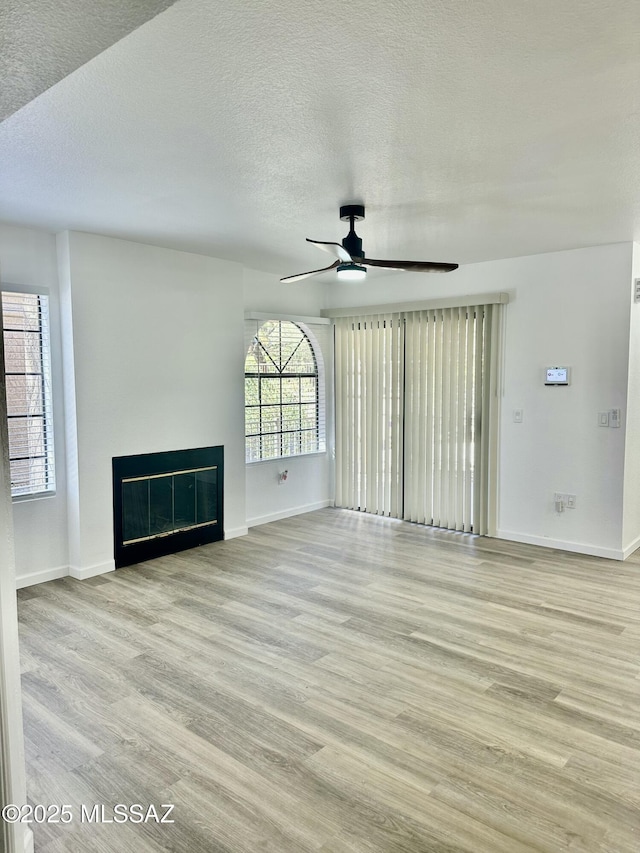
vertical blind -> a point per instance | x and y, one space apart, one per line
28 383
369 401
412 415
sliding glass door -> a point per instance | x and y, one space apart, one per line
414 405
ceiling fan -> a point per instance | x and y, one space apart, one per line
351 263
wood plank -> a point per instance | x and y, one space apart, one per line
341 683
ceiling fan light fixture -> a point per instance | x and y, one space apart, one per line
351 272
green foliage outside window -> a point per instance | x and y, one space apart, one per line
281 393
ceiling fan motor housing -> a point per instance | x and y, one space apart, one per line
352 243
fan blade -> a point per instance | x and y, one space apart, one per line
334 249
408 266
300 276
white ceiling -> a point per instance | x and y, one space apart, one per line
471 130
41 41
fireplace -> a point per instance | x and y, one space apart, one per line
166 502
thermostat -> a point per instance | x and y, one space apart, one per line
557 376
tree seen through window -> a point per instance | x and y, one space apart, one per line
281 393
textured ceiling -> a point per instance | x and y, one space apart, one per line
472 131
41 41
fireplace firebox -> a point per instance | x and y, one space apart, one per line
166 502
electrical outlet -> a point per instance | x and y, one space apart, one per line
614 417
571 501
517 416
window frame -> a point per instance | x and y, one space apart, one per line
318 404
44 332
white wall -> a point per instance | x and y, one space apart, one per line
631 520
28 257
156 348
265 292
567 308
153 351
12 768
309 483
158 365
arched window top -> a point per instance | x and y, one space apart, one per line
280 347
284 412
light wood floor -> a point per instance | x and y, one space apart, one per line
341 683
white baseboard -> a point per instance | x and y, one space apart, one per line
235 532
41 577
287 513
92 571
633 546
561 545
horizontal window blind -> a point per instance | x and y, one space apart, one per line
28 385
284 393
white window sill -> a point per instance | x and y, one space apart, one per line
284 458
38 496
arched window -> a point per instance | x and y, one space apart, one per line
281 393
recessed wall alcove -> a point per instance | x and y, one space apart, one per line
166 502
